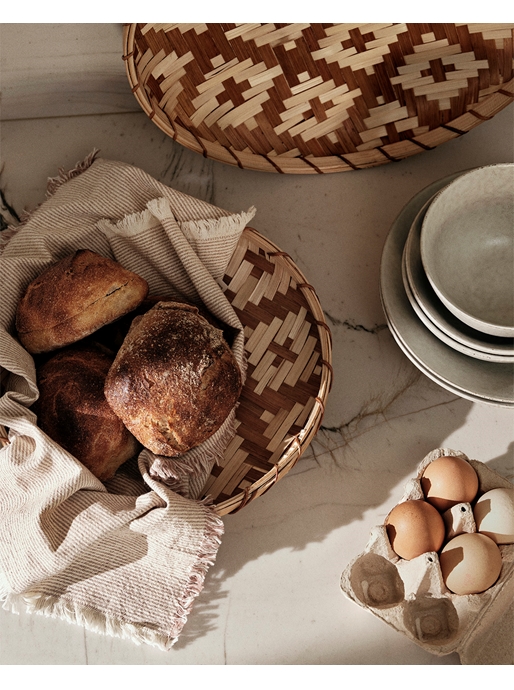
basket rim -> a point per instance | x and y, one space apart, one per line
297 445
484 110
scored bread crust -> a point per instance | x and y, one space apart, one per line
73 298
174 380
73 411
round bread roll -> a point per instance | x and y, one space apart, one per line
73 411
174 380
113 334
75 297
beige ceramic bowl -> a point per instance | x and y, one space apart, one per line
467 248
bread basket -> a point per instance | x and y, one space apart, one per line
318 98
289 353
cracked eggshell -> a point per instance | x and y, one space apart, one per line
494 515
470 563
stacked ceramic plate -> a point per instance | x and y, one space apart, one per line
447 283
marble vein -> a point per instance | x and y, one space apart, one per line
351 325
8 214
374 413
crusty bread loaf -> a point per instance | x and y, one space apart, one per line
174 380
113 334
73 411
73 298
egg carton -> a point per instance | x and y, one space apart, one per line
411 595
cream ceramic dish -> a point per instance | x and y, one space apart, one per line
470 378
436 317
467 248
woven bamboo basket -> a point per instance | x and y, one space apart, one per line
318 98
289 353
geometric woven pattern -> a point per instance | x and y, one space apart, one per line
288 346
307 98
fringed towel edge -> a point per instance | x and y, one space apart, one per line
63 175
217 227
203 228
53 607
130 225
214 529
53 184
156 209
91 619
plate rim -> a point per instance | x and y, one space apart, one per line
444 337
431 310
444 384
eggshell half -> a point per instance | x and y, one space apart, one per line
470 563
494 515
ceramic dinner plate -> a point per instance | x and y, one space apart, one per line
474 379
436 316
444 384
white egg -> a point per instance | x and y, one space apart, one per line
494 515
470 563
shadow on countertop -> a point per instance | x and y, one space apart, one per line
344 474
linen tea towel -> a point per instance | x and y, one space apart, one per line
128 557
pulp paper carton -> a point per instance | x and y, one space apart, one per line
411 595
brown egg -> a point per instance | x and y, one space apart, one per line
470 563
449 480
414 527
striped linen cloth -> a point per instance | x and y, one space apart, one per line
127 557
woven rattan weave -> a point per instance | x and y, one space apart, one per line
318 98
289 351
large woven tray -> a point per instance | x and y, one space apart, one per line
318 98
289 352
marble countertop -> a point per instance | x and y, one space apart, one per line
273 595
